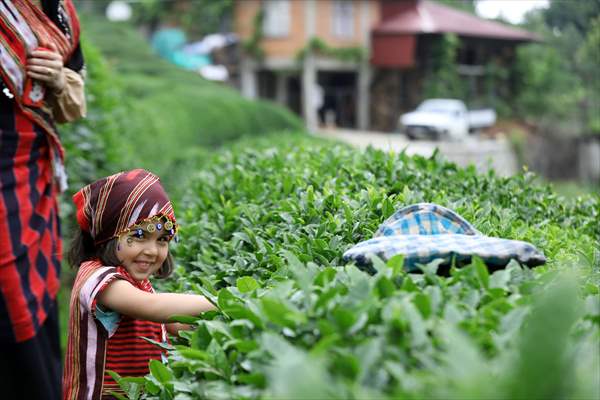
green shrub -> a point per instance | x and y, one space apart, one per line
264 226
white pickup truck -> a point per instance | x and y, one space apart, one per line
436 119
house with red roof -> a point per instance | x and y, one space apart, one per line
360 63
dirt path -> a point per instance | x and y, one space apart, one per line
483 153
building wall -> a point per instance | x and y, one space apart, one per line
324 28
285 47
288 47
394 51
243 17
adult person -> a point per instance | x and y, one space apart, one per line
42 84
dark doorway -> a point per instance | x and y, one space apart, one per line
266 81
294 94
339 97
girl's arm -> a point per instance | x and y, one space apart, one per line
122 297
174 327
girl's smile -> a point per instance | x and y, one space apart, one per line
142 253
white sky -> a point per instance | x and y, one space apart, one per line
511 10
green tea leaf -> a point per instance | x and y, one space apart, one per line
184 319
482 272
408 285
385 287
247 284
279 313
131 386
160 372
344 318
423 303
396 263
194 354
219 357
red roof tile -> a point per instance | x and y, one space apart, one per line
424 16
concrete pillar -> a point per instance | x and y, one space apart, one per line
309 81
363 98
309 71
248 79
589 161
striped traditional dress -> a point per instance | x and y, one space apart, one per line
30 245
30 161
100 340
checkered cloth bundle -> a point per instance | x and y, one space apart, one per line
425 232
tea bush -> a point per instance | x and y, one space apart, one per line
263 229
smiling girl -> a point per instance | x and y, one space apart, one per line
126 222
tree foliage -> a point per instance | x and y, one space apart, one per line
564 68
577 14
196 17
463 5
443 79
588 59
554 83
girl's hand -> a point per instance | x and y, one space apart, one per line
174 327
47 66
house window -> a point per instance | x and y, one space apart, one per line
343 18
276 21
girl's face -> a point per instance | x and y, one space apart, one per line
142 253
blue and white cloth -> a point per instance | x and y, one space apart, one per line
425 232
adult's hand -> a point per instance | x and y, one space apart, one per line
47 66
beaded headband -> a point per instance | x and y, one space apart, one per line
153 224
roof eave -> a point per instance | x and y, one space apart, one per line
524 38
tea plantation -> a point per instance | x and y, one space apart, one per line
265 221
263 227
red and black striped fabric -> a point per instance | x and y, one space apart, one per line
126 352
30 245
25 27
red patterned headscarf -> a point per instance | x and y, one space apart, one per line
109 206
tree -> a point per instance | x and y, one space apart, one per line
588 59
558 80
463 5
578 14
196 17
443 79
